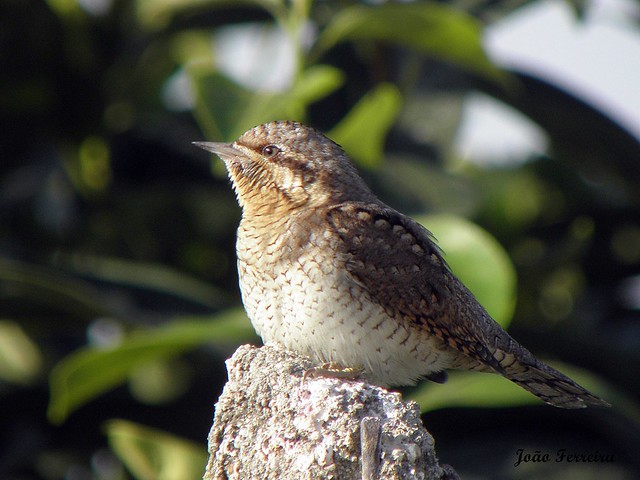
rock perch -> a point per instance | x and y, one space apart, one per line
271 423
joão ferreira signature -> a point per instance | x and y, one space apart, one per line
562 455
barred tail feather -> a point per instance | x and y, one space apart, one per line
551 386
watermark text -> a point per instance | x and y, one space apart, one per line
562 455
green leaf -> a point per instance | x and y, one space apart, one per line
471 389
38 286
155 277
91 371
20 357
316 82
225 109
363 130
430 28
160 381
151 454
479 261
157 14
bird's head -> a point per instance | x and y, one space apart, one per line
286 165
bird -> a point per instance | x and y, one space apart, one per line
326 269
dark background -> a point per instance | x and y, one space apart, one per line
110 221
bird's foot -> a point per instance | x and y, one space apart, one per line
333 370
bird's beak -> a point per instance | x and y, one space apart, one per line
226 151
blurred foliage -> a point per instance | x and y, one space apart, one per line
20 357
118 288
90 371
479 261
153 455
430 28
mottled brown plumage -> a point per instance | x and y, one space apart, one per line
330 271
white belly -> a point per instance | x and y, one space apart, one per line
309 308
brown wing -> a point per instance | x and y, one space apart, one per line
396 260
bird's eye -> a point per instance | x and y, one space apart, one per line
270 151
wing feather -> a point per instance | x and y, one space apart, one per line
397 261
